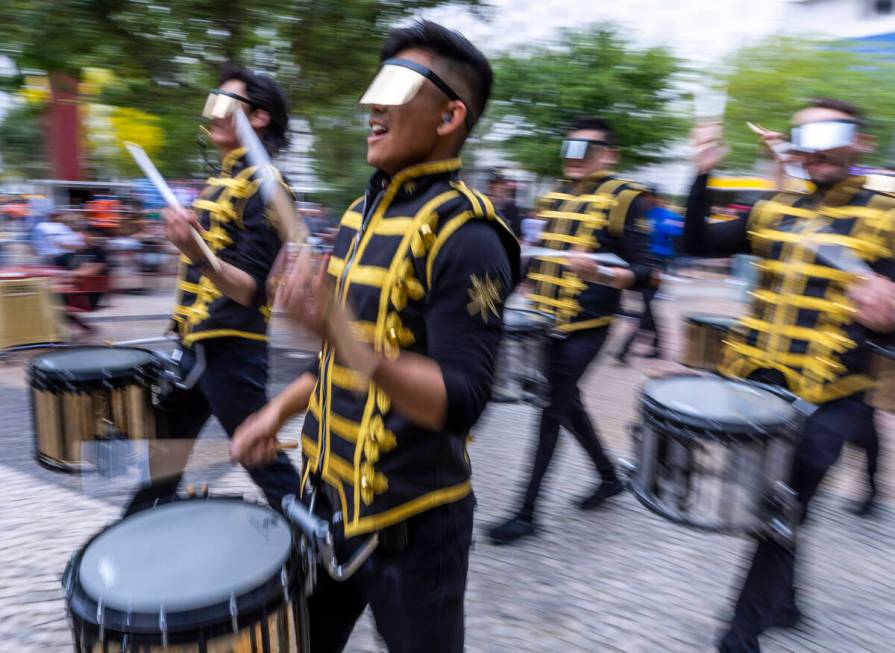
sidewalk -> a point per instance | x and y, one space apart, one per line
616 580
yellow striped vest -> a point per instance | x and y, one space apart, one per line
201 310
801 319
589 215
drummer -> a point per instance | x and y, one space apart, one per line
222 316
815 305
424 264
592 209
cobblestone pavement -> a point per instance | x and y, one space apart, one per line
617 580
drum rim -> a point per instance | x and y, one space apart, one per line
695 320
688 426
539 325
886 351
215 620
143 373
651 503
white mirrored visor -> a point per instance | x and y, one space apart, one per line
823 135
574 149
393 86
218 106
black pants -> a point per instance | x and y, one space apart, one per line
647 323
231 388
768 592
567 360
414 585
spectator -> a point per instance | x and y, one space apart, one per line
502 193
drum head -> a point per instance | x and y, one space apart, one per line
185 555
90 365
722 322
715 404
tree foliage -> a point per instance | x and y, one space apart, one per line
769 82
540 90
165 55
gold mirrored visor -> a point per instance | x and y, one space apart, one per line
398 82
823 135
221 103
393 86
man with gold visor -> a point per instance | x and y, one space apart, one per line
221 315
593 210
824 288
409 309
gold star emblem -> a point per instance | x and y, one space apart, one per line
484 296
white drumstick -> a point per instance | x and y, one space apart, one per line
152 173
604 258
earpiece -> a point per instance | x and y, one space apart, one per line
447 117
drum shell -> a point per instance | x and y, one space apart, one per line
714 479
68 411
522 358
269 618
29 313
882 371
704 346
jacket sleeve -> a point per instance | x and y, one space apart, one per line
634 246
711 239
471 279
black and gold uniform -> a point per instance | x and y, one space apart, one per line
600 213
800 333
404 261
229 338
425 265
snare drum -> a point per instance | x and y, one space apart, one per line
882 370
715 454
198 575
705 340
522 357
82 392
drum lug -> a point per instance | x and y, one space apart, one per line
163 626
100 620
284 582
233 613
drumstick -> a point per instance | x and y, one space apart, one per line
604 258
152 173
118 466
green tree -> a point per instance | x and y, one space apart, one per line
165 55
540 90
767 83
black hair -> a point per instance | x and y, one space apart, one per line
466 60
595 124
841 106
263 93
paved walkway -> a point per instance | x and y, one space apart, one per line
615 580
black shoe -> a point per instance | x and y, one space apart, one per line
865 508
732 642
516 527
604 491
788 617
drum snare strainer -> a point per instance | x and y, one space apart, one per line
715 454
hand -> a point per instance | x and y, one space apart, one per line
306 294
582 266
708 150
874 300
179 225
255 442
